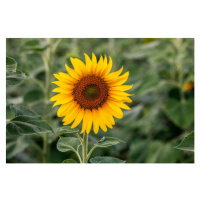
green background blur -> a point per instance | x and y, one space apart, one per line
162 111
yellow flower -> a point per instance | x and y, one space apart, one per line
92 94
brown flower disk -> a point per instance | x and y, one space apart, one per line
90 92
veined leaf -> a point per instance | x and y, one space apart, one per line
14 78
26 122
182 114
187 143
16 146
11 64
67 130
106 159
108 141
65 144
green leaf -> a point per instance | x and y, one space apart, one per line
69 161
187 143
67 130
108 141
11 64
16 146
33 43
65 144
14 78
26 122
106 159
34 95
35 46
180 113
159 152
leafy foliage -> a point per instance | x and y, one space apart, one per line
106 159
187 143
68 144
66 130
14 78
108 141
182 114
26 122
11 64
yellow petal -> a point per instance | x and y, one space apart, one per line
71 119
63 100
63 107
105 62
63 84
115 110
78 118
67 80
113 75
101 122
89 122
108 68
88 63
104 117
72 72
94 63
59 97
120 80
76 67
103 66
70 115
62 90
68 77
99 66
121 87
84 124
95 121
121 105
79 64
118 93
108 115
65 110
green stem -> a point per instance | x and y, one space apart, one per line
93 148
79 138
79 157
46 61
45 148
84 146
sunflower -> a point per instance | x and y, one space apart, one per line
91 94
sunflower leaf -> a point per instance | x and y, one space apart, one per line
106 159
16 146
11 64
14 78
108 141
187 143
26 122
181 114
65 144
69 161
66 130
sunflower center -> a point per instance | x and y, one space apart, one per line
90 92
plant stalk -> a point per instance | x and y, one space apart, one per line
85 146
45 148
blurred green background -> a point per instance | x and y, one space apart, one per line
162 112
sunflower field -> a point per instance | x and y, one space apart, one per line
157 125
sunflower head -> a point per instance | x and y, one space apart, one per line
91 94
